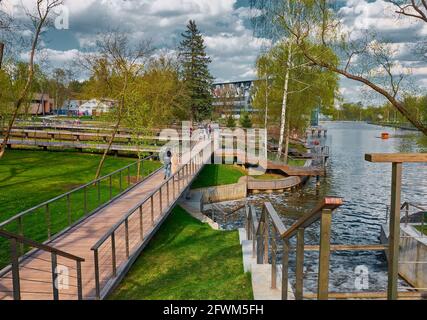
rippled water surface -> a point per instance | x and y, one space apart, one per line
366 189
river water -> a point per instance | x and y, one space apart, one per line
366 189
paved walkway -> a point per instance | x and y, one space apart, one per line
35 272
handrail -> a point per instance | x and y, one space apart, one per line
275 219
168 192
132 210
329 203
43 247
17 241
265 240
39 206
416 206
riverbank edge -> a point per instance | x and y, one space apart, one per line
246 186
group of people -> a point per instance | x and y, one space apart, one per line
170 160
205 131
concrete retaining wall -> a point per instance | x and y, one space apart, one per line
279 184
229 192
413 248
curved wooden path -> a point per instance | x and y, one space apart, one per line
35 274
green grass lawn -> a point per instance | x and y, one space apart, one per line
217 175
187 260
28 178
421 230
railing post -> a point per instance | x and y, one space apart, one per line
127 237
111 187
273 259
97 285
285 269
128 177
85 200
299 289
21 233
260 247
120 183
141 223
167 190
324 255
394 238
69 209
48 221
173 187
15 269
160 201
113 254
79 280
99 193
54 276
152 210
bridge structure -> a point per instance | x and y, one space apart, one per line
90 257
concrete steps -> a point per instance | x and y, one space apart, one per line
261 274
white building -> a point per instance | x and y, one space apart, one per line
95 106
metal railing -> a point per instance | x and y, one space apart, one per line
49 219
416 209
266 232
122 243
44 255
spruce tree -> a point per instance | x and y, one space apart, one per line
245 121
195 72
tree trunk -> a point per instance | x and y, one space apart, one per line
110 143
1 53
284 104
287 139
116 128
23 94
266 103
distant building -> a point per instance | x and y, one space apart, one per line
41 104
71 108
95 107
233 97
86 107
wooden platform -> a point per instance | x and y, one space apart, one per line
35 272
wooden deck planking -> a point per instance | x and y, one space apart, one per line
35 272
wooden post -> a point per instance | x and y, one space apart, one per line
97 284
15 269
324 255
113 254
299 291
79 280
394 238
54 263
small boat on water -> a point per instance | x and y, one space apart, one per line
385 136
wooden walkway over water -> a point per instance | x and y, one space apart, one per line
93 256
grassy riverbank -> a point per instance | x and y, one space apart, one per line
187 260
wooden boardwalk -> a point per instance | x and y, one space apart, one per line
35 272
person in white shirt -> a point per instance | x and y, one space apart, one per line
167 159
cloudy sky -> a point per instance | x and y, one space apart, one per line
227 30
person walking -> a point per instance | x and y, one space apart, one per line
167 159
